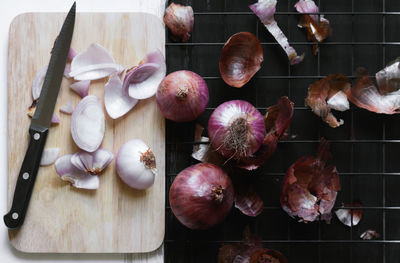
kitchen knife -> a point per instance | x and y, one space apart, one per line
40 124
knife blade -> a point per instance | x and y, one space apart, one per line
40 123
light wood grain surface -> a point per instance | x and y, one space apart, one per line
114 218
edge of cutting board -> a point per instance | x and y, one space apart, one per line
11 233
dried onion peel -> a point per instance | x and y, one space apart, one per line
365 94
328 93
241 58
179 19
310 187
388 79
265 10
318 27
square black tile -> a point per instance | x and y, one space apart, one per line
392 190
369 57
368 5
335 253
368 23
371 253
269 91
335 59
367 125
367 189
368 157
331 6
392 224
391 28
392 153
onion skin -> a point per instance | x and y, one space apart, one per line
179 19
224 126
241 58
201 196
182 96
310 187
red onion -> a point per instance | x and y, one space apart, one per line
201 196
236 129
182 96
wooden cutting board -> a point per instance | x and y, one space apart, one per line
60 218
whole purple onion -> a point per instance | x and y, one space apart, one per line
201 196
182 96
236 129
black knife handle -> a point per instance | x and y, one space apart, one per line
26 178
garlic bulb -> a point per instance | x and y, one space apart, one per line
136 164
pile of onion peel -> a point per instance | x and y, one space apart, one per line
318 27
310 187
250 250
326 94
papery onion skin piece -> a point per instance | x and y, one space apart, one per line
267 255
142 81
370 234
241 58
236 129
136 164
81 87
265 10
277 121
321 91
179 19
388 79
116 99
310 187
248 201
49 156
364 94
88 124
345 215
201 196
77 177
182 96
318 27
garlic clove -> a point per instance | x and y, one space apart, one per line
136 164
265 10
116 98
142 81
55 119
92 163
81 87
67 108
76 177
49 156
38 83
94 63
179 19
88 124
